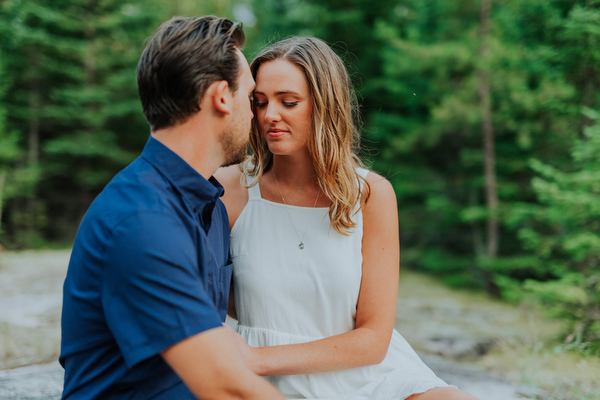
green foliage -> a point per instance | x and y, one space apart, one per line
564 229
9 149
428 127
279 19
73 116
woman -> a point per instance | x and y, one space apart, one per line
314 241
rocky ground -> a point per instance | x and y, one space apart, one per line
450 335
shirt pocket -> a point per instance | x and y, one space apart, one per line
224 283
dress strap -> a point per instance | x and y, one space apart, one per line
254 191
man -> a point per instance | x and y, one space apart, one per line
147 286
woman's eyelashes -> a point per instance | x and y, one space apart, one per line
260 104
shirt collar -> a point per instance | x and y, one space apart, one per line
196 191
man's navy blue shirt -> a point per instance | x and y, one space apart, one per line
149 268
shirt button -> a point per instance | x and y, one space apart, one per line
208 278
196 209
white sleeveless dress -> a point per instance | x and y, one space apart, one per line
287 295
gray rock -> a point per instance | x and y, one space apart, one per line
36 382
477 382
44 382
458 348
30 298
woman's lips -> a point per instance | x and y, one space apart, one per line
276 133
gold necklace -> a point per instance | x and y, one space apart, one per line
301 245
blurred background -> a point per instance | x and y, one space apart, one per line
484 115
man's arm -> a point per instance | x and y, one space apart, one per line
211 366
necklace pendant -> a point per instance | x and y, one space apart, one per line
301 246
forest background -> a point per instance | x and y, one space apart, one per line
484 115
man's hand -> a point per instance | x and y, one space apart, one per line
211 365
248 354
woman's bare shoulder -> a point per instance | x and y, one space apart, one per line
229 176
236 194
378 189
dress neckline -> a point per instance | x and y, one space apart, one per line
274 203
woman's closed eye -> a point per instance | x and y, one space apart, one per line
261 104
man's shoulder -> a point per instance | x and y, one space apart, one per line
139 185
137 189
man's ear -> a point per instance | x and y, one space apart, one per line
221 97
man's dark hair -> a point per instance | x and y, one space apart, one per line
181 60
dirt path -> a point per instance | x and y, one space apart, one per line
437 325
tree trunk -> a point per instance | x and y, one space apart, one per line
33 153
2 179
491 189
91 81
476 231
589 86
588 93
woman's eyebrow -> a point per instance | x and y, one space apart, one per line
279 92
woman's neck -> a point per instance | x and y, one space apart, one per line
294 171
296 179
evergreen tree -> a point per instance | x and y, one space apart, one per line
279 19
73 104
563 234
97 123
24 41
579 36
429 130
9 150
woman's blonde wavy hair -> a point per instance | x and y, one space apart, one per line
334 135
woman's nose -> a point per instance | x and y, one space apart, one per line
271 114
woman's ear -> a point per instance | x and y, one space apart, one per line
221 97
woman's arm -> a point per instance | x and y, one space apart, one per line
376 308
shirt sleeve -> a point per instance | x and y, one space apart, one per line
154 294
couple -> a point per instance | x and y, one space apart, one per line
311 237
